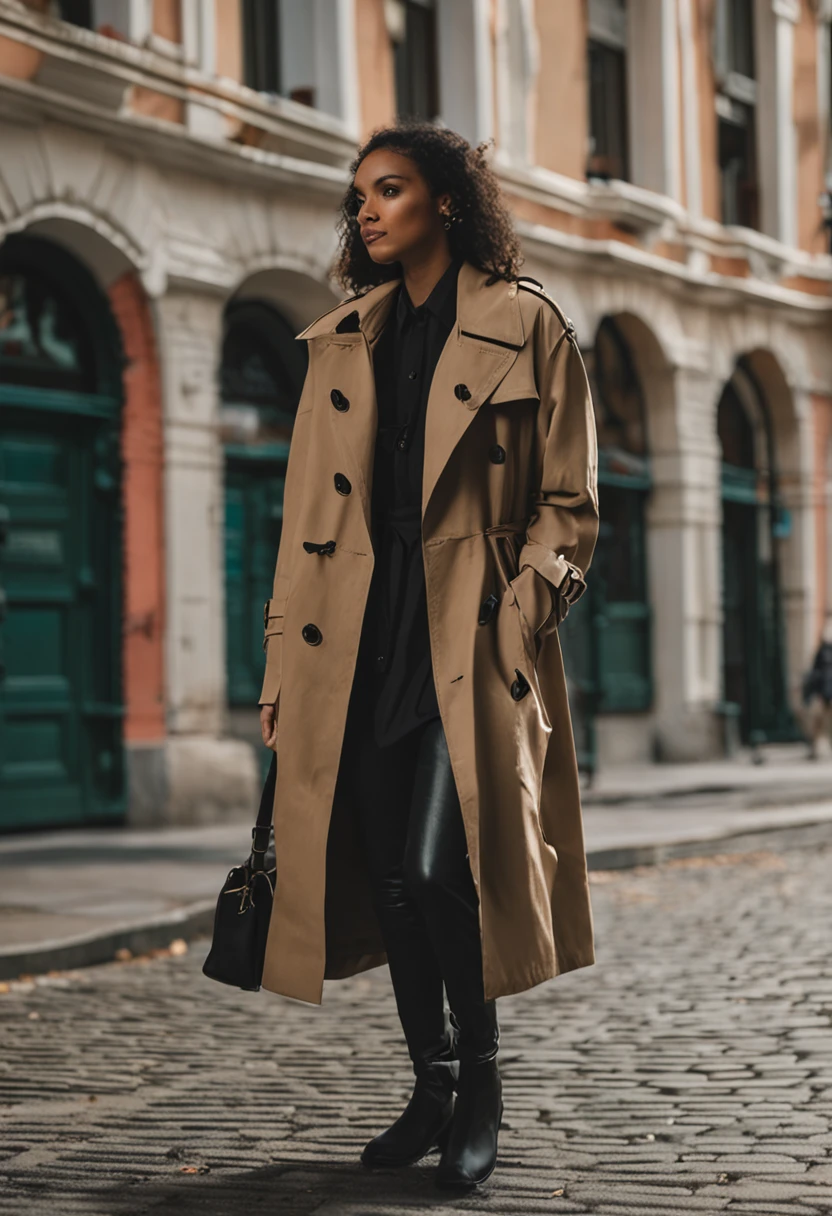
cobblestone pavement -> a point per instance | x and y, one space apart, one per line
690 1071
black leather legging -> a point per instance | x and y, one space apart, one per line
414 842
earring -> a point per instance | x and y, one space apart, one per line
447 225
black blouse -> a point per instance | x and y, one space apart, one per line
394 660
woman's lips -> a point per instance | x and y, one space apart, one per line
373 236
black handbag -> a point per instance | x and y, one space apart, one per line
244 907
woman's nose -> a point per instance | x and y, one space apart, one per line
367 214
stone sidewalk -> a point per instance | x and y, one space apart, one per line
72 898
688 1073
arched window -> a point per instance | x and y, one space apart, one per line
61 747
753 519
261 378
44 340
607 635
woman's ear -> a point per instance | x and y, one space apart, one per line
445 204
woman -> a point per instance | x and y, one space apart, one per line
440 512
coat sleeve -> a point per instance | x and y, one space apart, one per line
563 525
274 608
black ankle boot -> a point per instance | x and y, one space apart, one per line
424 1123
471 1152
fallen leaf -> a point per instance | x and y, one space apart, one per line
34 1017
559 1191
123 955
722 1179
194 1169
179 947
4 987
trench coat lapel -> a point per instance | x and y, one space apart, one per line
481 348
345 363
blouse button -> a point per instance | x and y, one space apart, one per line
312 635
342 484
496 454
339 400
411 375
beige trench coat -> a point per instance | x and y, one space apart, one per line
510 375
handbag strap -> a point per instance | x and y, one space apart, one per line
261 832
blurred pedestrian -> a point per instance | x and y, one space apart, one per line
817 694
440 512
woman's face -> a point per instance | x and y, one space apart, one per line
398 218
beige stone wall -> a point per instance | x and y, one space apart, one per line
810 233
376 82
561 103
702 23
229 38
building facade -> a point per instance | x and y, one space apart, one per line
169 174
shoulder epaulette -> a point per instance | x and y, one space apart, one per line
527 283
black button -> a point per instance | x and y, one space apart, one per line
487 609
342 484
520 686
462 392
339 400
312 635
496 454
411 375
379 662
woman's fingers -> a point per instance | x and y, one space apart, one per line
268 729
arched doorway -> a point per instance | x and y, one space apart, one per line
753 520
262 374
607 636
61 753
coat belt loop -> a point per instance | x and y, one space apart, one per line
494 533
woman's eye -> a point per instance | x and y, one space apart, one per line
390 190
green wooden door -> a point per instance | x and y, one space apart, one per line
262 375
61 758
253 518
753 650
60 743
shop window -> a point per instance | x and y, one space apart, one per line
261 45
43 341
736 104
78 12
607 76
416 60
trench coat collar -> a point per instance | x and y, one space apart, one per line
482 346
492 313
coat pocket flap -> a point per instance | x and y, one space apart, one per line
517 385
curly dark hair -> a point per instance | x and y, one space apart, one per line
483 232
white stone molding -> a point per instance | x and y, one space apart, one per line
690 111
776 143
189 329
653 96
466 88
518 61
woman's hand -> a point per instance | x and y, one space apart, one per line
268 726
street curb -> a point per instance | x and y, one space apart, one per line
196 920
810 834
193 921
